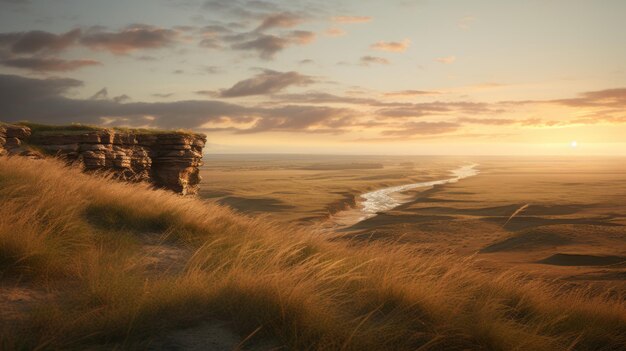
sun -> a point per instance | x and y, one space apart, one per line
573 144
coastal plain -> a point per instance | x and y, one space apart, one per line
554 218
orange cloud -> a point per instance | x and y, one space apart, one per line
352 19
335 32
391 46
410 93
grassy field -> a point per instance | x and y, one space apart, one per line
571 226
90 263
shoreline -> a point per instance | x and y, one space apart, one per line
374 202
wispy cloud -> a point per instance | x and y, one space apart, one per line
280 20
367 60
446 60
423 128
267 82
267 45
410 93
335 32
600 98
407 110
488 121
131 38
37 41
352 19
391 46
48 64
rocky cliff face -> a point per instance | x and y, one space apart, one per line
168 160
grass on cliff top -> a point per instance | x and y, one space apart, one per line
82 244
77 128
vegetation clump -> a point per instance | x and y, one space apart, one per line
78 128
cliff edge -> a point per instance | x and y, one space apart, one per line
168 160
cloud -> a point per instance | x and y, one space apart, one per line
367 60
280 20
147 58
539 122
211 36
351 19
121 98
446 60
314 97
163 95
600 98
437 107
268 45
410 93
320 119
34 50
48 64
211 69
423 128
48 101
245 9
100 94
301 37
210 43
267 82
17 90
488 121
391 46
43 100
131 38
211 93
615 97
598 118
335 32
38 41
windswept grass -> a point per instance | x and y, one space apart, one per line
77 128
80 237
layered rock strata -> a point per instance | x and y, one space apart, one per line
167 160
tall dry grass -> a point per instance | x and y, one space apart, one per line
80 238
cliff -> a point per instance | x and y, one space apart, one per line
168 160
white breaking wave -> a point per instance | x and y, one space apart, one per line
382 200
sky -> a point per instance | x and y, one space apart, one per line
438 77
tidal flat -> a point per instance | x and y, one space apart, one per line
560 218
